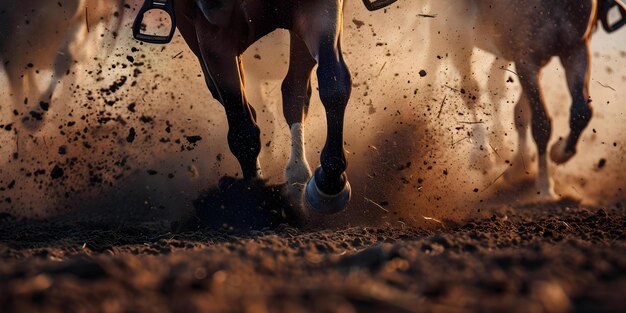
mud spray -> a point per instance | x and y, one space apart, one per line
136 132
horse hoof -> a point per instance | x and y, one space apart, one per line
559 154
324 203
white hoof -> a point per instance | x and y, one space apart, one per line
323 203
558 154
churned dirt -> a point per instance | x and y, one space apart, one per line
551 257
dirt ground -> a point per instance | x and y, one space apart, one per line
551 257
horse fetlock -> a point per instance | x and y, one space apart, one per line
331 173
246 149
245 142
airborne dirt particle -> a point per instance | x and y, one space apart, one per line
358 23
193 139
131 135
57 172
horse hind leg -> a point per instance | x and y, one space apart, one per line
541 126
576 63
296 90
223 71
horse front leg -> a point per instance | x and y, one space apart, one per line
223 72
329 191
296 90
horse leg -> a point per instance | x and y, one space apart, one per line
480 157
576 63
541 125
223 71
328 191
296 90
496 82
37 110
224 78
521 117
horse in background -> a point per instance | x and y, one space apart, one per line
39 36
529 33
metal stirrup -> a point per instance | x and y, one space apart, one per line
604 15
164 5
374 5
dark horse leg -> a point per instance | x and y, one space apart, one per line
576 63
224 75
328 191
296 90
541 124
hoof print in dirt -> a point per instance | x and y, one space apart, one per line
243 205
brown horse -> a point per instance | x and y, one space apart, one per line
529 33
219 31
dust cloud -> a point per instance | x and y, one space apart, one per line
136 133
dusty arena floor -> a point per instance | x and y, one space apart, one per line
556 257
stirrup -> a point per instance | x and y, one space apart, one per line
164 5
606 8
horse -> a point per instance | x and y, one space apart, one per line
529 33
219 31
39 35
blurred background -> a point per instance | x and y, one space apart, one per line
131 131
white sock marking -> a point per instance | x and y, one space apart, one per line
297 170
